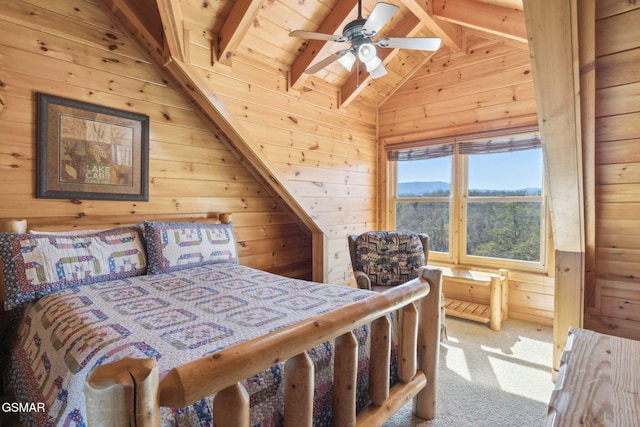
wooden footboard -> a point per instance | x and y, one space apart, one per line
128 392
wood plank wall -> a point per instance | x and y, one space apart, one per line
614 305
490 87
326 152
76 49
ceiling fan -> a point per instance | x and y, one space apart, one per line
360 33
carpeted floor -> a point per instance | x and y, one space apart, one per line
489 378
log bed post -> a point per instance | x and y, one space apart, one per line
379 360
407 357
298 392
123 393
424 405
231 407
345 377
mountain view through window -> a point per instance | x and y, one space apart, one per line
499 198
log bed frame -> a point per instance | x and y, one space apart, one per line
129 391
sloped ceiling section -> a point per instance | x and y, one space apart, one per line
263 27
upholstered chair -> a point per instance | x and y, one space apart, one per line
389 258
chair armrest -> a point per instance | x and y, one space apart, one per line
362 280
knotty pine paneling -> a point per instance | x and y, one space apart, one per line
531 297
328 153
616 306
617 99
491 87
76 49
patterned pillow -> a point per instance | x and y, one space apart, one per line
174 246
38 264
70 233
389 258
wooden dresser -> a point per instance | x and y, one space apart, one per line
598 383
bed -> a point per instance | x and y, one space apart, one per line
159 324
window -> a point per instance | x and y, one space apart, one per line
424 199
480 202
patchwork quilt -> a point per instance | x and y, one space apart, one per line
174 317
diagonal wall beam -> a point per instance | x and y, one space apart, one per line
195 88
171 16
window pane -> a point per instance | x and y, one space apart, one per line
431 218
425 178
517 173
508 230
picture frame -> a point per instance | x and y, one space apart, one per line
92 152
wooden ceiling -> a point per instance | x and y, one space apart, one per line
260 28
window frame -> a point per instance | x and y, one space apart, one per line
394 199
459 200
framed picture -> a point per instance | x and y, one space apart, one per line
86 151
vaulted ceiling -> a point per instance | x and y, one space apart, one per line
204 45
261 28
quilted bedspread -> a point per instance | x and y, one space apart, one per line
174 317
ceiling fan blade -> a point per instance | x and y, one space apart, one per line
326 61
416 43
378 72
310 35
380 15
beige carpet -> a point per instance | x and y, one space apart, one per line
490 378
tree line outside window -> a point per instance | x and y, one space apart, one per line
481 202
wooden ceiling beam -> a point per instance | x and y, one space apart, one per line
240 19
127 14
451 34
357 81
333 24
501 21
171 16
498 38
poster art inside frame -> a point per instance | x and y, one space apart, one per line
86 151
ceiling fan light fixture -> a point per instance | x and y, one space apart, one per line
367 52
347 60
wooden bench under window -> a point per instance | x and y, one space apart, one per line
494 312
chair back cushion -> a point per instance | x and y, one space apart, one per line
389 258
